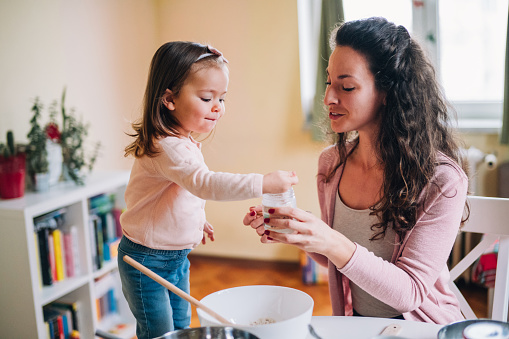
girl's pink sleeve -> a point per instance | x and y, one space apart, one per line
183 164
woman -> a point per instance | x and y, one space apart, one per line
392 191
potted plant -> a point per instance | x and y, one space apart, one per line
12 169
73 135
37 155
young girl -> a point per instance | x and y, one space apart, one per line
170 182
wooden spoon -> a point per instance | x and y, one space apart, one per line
174 289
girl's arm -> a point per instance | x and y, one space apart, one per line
183 164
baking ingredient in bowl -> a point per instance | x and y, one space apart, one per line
262 321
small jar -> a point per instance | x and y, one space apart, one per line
277 200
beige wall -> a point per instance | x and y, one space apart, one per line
98 49
101 49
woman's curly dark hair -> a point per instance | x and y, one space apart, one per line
415 124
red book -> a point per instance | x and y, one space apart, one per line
60 323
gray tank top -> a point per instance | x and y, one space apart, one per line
356 226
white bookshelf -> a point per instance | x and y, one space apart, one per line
22 296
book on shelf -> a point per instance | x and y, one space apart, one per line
61 319
58 248
44 256
69 259
51 247
116 212
312 272
105 229
106 298
59 254
73 231
96 241
71 252
72 309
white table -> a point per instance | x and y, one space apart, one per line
367 328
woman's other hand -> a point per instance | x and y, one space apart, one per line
254 218
310 234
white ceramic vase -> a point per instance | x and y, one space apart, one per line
55 161
41 182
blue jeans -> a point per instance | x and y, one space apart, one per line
156 309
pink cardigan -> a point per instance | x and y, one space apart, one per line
166 195
415 282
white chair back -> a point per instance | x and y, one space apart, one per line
490 217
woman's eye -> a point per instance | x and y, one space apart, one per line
206 100
348 89
221 100
327 83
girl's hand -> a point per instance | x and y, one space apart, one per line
208 231
279 181
310 234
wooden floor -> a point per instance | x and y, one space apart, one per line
209 274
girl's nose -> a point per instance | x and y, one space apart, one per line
217 107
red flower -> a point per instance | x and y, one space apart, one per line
52 132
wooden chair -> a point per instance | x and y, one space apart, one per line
490 217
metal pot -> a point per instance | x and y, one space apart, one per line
216 332
455 330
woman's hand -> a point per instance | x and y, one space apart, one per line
254 218
310 233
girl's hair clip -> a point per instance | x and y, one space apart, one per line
212 51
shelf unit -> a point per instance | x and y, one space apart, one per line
22 295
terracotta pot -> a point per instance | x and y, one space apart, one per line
12 176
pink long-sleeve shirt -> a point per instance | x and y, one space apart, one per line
415 281
166 195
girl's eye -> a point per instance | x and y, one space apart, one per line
206 100
348 89
328 83
222 100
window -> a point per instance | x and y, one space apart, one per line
465 39
472 44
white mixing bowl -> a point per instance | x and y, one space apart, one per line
269 312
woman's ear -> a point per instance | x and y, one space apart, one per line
168 100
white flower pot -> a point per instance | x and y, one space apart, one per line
55 161
41 182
